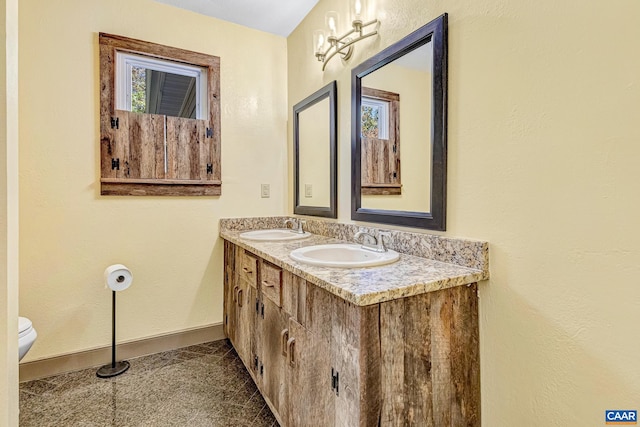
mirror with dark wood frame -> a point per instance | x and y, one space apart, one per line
399 118
315 153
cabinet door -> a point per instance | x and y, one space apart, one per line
245 318
229 291
272 336
310 395
355 355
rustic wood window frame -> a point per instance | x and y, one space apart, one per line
381 165
132 145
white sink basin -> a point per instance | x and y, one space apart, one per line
343 255
276 234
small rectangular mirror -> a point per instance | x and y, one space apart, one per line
315 160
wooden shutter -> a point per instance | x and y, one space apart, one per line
154 155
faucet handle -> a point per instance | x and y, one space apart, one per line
381 235
300 224
368 240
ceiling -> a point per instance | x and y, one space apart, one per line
278 17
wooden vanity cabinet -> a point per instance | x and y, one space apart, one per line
319 360
239 296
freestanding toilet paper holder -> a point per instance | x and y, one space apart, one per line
114 368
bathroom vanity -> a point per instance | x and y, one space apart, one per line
391 345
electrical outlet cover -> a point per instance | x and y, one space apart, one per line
265 190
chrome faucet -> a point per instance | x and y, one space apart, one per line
369 241
299 229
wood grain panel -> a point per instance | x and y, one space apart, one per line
229 285
441 316
465 356
271 282
392 339
247 267
311 401
107 109
159 189
158 50
318 312
245 329
146 144
418 362
185 137
274 363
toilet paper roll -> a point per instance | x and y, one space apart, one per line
118 277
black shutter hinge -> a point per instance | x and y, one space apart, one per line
209 168
255 363
261 369
257 305
395 174
115 123
395 147
262 309
115 164
335 381
209 132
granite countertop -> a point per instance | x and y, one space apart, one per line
410 275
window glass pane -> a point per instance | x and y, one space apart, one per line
370 121
138 90
155 86
169 94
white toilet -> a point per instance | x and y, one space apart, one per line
26 336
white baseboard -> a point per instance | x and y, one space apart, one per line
100 356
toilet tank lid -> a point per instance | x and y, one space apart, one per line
23 324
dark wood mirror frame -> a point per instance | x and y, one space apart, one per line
435 32
330 91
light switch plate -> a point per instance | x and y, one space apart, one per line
308 190
265 191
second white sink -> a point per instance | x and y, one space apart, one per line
274 234
343 255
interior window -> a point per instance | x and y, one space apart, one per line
155 86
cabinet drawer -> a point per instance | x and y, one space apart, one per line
271 282
248 268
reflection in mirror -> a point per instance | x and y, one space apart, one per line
399 131
394 110
314 154
314 137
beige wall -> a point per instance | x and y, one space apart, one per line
69 233
544 100
9 213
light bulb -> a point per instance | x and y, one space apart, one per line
358 9
318 41
331 20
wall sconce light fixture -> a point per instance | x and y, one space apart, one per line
327 45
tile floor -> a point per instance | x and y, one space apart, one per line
201 385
